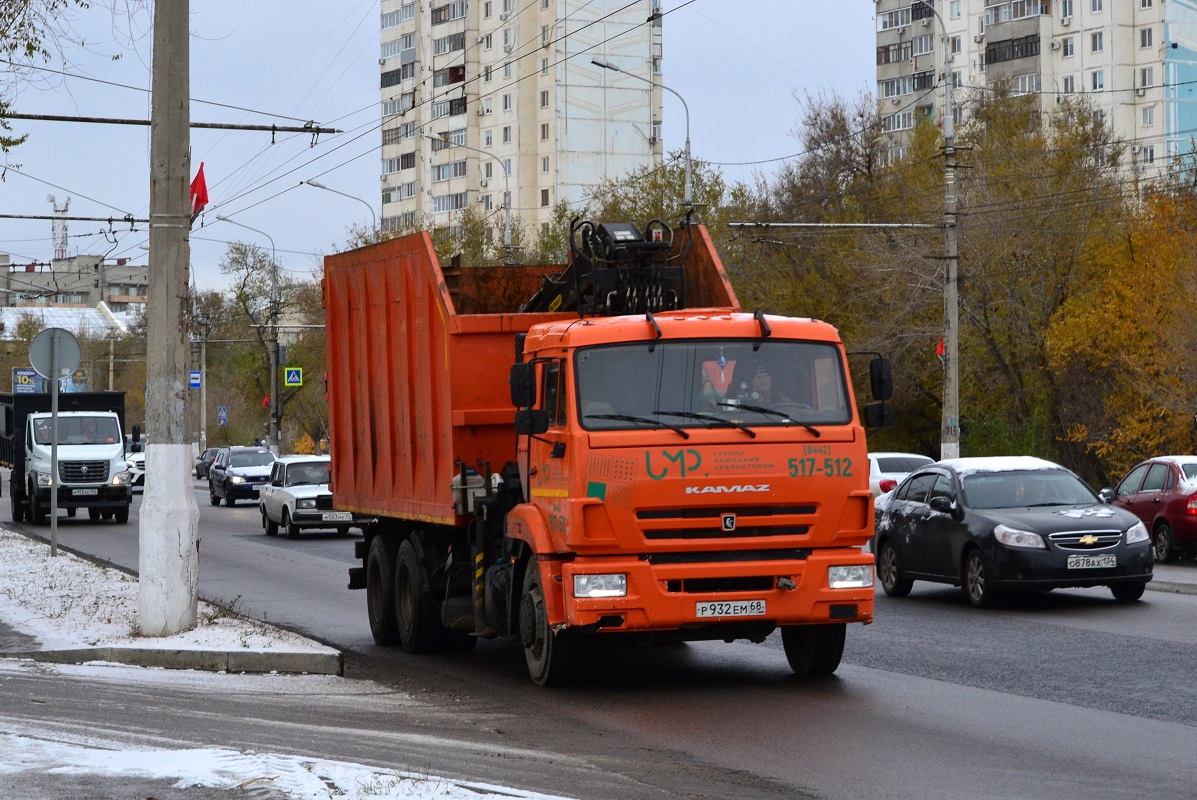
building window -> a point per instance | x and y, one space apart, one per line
1095 6
506 134
449 12
1148 154
544 197
395 135
486 74
1065 8
954 9
407 161
448 202
1069 47
507 70
1145 37
544 98
448 75
1010 49
454 137
488 137
1144 3
544 164
546 38
544 3
488 170
507 102
1097 80
1026 84
544 66
955 44
486 202
487 43
444 172
486 10
1069 84
921 45
544 131
1096 42
1147 76
1148 116
448 44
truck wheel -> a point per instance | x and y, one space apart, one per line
18 510
271 527
549 655
415 611
93 514
380 592
37 514
70 512
289 525
122 515
814 649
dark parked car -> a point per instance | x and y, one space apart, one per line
991 524
204 460
1162 492
238 473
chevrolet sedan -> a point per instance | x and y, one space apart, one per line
990 525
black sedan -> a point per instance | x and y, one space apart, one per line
992 524
238 473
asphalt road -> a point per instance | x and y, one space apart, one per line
1063 695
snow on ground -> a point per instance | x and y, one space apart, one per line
66 602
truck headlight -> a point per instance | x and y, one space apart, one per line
236 479
1013 537
1137 533
601 585
120 479
306 502
42 478
858 576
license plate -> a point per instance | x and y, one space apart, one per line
731 608
82 492
337 516
1092 562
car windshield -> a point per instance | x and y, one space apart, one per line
706 383
1025 489
902 463
255 459
315 473
79 430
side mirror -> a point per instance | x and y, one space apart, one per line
529 422
881 379
878 415
946 505
523 385
1106 495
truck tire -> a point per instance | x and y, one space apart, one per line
122 515
549 655
380 591
814 649
70 512
18 510
415 610
37 514
93 514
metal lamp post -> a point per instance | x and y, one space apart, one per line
274 415
506 190
687 199
373 216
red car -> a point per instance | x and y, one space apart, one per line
1163 493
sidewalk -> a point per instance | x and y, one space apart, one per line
71 610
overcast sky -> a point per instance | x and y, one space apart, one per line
737 64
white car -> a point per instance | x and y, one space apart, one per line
886 470
297 497
136 462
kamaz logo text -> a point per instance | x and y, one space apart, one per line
735 488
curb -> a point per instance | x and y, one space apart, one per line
1172 587
331 663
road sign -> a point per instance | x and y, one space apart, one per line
222 415
42 351
195 379
293 376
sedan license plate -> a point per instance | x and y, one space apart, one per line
1092 562
84 492
730 608
337 516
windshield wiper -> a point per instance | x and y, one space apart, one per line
773 412
717 421
649 420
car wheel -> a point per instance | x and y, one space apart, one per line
93 514
212 494
229 500
415 612
380 592
550 655
889 572
1128 592
270 526
814 649
975 582
121 515
1165 551
290 526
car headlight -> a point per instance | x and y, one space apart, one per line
1137 533
601 585
120 479
306 502
1013 537
236 479
858 576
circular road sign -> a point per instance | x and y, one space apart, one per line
41 351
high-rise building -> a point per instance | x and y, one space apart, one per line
1134 60
476 91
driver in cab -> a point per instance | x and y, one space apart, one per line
759 391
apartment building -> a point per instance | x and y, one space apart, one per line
1135 60
75 281
480 97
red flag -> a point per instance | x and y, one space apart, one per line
199 193
266 401
939 347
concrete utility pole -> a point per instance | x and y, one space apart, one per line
168 559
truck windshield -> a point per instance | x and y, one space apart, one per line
78 430
705 383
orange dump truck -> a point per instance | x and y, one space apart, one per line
610 448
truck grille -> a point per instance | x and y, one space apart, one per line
83 471
735 522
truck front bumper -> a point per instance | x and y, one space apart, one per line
698 590
105 496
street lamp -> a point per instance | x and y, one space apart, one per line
949 442
444 139
598 62
373 216
274 416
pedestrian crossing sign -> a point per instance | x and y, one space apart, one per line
293 377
